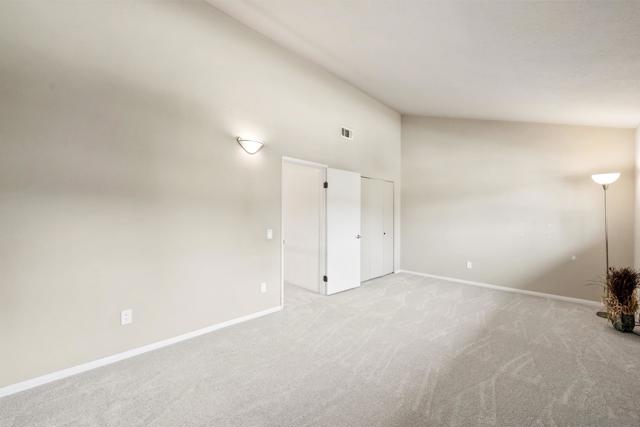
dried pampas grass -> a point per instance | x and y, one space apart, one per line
621 295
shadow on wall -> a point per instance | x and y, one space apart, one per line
539 235
78 144
70 130
568 276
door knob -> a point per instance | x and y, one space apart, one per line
358 236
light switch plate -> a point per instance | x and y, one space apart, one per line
269 234
126 317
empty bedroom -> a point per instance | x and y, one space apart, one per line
340 213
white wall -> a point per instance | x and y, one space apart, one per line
517 200
121 185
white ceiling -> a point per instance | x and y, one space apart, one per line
557 62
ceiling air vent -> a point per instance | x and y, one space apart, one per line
347 133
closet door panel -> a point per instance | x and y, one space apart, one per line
387 227
366 268
377 225
377 228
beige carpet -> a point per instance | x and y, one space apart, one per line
400 351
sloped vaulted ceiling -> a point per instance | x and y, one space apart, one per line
557 62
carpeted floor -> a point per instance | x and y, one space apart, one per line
400 351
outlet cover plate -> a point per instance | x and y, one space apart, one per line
126 317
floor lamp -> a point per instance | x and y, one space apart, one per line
605 179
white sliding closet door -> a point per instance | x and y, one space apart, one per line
372 243
377 228
387 227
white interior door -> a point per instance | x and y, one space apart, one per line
343 230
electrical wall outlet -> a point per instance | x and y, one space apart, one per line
269 234
126 317
469 265
263 287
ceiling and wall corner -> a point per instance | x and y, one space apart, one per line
531 64
552 62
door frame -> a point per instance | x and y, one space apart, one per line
286 159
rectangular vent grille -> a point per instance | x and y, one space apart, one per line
347 133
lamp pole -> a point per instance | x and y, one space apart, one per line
605 179
606 251
605 187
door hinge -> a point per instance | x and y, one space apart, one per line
326 184
324 279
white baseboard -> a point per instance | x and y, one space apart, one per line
64 373
506 289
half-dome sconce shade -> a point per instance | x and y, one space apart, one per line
251 146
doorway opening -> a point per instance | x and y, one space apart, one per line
321 230
303 228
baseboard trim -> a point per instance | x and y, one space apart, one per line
64 373
506 289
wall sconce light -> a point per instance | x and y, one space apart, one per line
251 146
